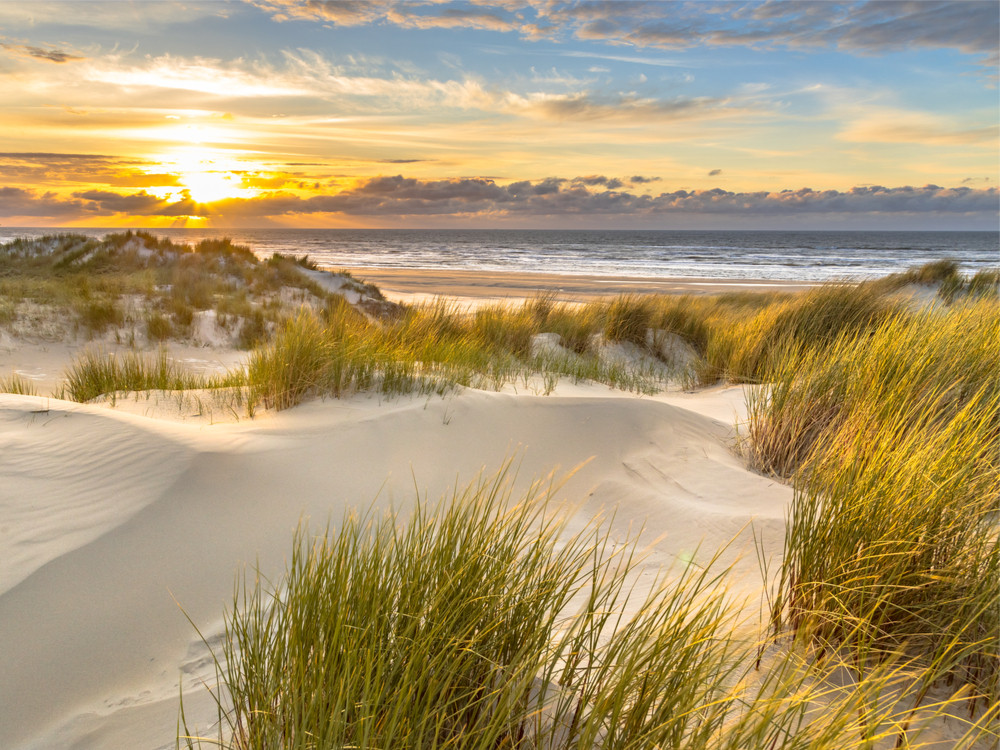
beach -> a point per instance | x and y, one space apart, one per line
126 522
479 287
525 375
120 523
136 524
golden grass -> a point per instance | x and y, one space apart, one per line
894 442
480 622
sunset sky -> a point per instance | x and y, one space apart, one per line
518 113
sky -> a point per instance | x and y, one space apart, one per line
518 113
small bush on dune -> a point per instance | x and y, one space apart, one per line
827 312
97 314
627 318
158 327
223 247
685 316
253 329
749 348
183 316
938 271
294 364
503 330
191 287
302 261
8 310
576 327
985 283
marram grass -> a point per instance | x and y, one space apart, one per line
481 622
434 347
893 439
18 384
97 373
887 609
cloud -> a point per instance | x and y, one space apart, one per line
970 26
53 158
141 203
611 183
202 75
638 179
63 168
585 106
398 196
857 200
39 53
307 79
340 12
106 14
715 173
898 126
407 15
20 202
872 26
451 18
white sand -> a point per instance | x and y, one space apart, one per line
107 517
116 524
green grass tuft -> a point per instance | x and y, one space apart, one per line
96 373
628 318
894 440
18 384
455 628
482 622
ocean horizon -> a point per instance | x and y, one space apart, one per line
730 254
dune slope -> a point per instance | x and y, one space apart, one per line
112 523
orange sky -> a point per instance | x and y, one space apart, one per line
522 113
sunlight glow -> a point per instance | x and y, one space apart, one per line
206 187
208 175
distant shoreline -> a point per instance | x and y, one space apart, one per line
415 285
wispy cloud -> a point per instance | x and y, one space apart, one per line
872 26
309 76
107 14
884 125
585 106
658 62
67 168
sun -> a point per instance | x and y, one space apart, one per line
208 176
211 186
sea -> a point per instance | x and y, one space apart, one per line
776 255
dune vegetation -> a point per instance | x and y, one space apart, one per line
885 613
137 288
480 623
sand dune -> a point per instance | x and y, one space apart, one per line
110 517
